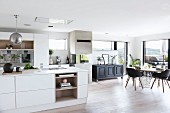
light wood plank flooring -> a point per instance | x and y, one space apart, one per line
110 96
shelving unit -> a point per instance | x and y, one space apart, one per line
66 93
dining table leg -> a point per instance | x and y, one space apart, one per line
153 83
168 83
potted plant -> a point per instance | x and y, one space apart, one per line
15 56
50 53
134 62
99 59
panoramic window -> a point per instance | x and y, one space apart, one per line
58 44
154 51
102 45
121 51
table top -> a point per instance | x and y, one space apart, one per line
151 70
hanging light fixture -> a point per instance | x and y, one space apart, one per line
16 38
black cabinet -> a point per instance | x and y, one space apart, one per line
106 71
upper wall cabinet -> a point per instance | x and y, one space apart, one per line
80 42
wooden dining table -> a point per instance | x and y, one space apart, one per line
148 75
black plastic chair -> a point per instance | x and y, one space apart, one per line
164 75
132 73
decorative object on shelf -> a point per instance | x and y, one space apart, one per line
105 58
67 60
9 46
99 59
64 80
50 53
65 83
8 68
18 69
16 38
113 59
58 60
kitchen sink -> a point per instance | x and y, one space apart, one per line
55 68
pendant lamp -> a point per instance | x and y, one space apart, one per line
15 37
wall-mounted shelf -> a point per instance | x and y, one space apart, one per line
16 49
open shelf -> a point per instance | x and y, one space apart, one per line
65 98
66 93
66 88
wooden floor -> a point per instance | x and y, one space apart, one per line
110 96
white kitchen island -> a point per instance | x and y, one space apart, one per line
35 90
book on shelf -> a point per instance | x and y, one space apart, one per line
68 75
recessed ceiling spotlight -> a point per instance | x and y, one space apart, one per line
106 33
27 24
52 20
50 26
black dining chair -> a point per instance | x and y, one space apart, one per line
132 73
164 75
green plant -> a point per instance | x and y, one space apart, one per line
121 61
29 66
166 58
99 58
1 57
134 62
113 57
15 56
51 51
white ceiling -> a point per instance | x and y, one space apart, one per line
118 17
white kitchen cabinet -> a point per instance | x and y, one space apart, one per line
86 66
7 101
82 91
82 78
7 84
31 98
41 49
35 82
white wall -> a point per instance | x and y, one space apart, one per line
62 53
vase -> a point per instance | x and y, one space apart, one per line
8 68
50 60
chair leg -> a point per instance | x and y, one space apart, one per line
127 81
140 82
153 83
168 83
163 85
133 80
135 83
158 82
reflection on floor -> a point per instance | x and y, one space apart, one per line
110 96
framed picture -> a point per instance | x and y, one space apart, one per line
105 58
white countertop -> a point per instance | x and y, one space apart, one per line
39 72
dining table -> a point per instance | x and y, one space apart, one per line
146 79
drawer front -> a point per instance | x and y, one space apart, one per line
7 101
36 82
82 78
31 98
82 91
7 84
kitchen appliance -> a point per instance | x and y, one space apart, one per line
72 59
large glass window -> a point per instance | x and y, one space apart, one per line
102 45
121 51
58 44
155 50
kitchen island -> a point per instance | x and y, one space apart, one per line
37 90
